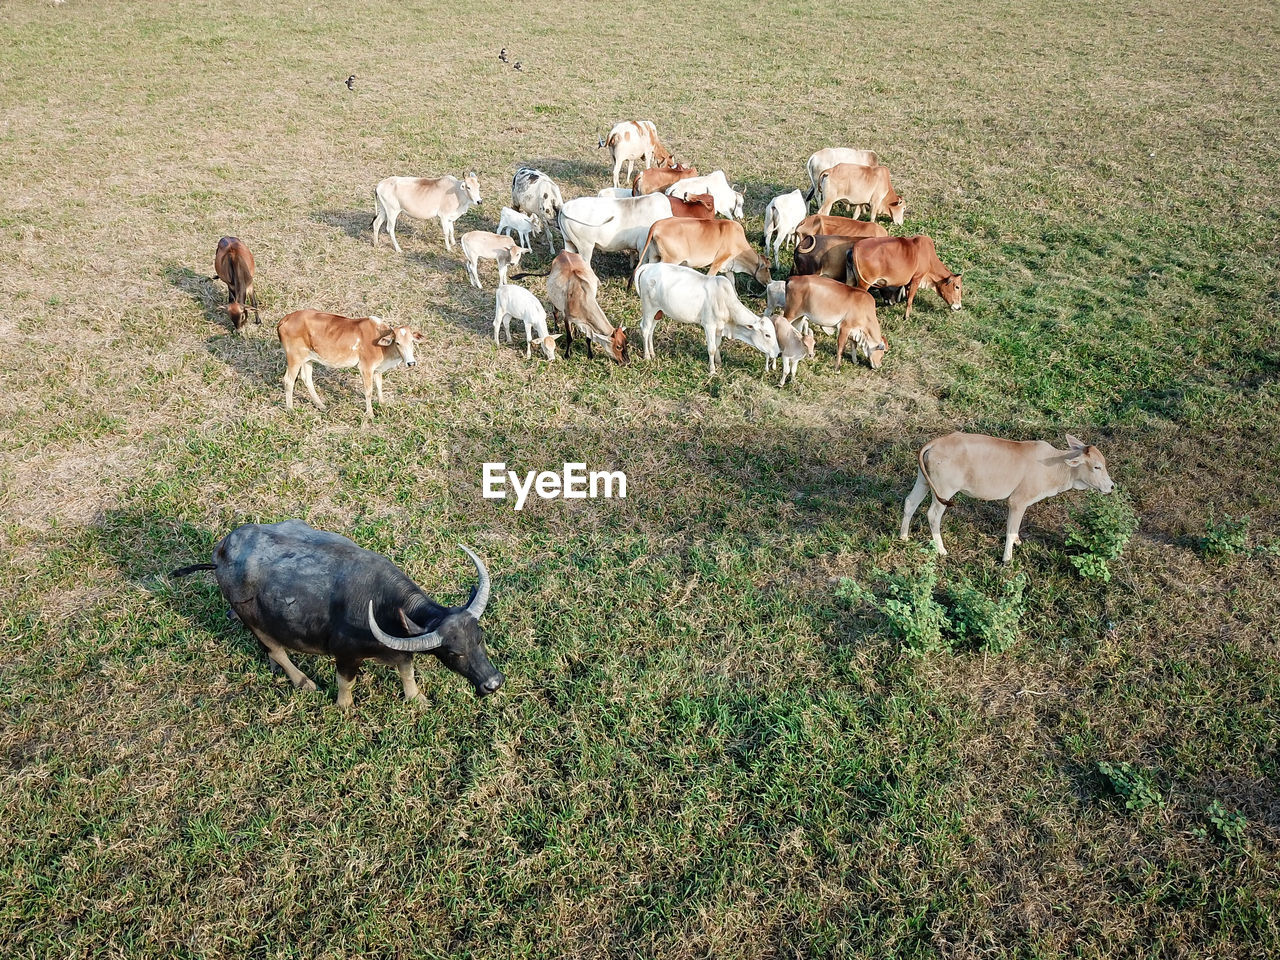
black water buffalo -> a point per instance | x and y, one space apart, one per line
315 592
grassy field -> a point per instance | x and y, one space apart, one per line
704 747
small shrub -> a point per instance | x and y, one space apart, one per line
1132 784
1225 538
990 624
1098 532
915 618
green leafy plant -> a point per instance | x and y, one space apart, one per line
991 624
915 618
1226 537
1132 784
1098 532
1228 824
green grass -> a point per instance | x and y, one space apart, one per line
702 749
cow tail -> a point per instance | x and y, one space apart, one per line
183 571
521 276
924 472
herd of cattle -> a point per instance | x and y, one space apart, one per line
316 592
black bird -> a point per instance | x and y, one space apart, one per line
519 66
503 55
351 82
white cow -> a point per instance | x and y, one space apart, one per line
775 297
516 302
482 245
633 140
687 296
728 200
423 197
514 223
781 217
613 225
536 194
616 192
795 343
827 158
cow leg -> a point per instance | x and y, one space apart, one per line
713 348
551 240
367 375
379 218
912 504
617 166
936 510
842 340
290 378
1016 510
391 229
446 228
348 670
281 656
310 385
502 274
912 287
407 680
377 384
497 325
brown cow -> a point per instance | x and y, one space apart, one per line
699 206
336 341
818 225
860 186
657 179
571 290
233 264
834 308
822 255
718 245
902 261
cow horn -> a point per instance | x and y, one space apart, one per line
480 595
419 644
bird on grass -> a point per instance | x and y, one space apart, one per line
351 82
519 66
502 55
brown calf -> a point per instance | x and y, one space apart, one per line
571 291
310 336
657 179
834 308
233 264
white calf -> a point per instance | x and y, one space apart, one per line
781 217
516 302
482 245
514 223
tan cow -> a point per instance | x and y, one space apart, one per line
633 140
825 226
482 245
447 198
1022 472
571 290
910 262
834 308
795 343
659 178
860 186
719 245
828 157
309 336
233 264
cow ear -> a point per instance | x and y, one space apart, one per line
556 336
1075 444
418 337
1074 461
386 339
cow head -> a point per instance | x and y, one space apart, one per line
403 339
662 157
738 205
759 334
471 183
548 345
898 210
761 273
949 289
617 346
810 344
236 312
535 225
517 253
1088 467
871 342
457 640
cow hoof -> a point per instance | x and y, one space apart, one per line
307 684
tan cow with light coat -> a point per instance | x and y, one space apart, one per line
571 290
828 157
1022 472
719 245
859 185
447 198
834 308
309 336
480 245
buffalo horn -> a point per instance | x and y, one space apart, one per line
480 596
419 644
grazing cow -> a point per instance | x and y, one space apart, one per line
516 302
611 225
795 342
827 158
310 336
481 245
688 296
818 225
447 198
822 256
535 193
781 217
728 200
775 297
571 289
311 591
699 206
657 179
1022 472
514 223
910 262
860 186
633 140
233 265
719 245
833 308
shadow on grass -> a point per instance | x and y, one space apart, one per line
207 292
